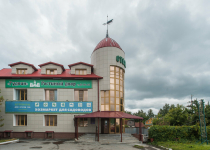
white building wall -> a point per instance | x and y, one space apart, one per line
65 122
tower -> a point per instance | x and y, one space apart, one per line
108 59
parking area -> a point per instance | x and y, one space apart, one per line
68 145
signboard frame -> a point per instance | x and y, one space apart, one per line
48 83
57 112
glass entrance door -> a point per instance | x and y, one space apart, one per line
105 125
112 125
117 125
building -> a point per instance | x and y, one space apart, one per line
55 102
149 122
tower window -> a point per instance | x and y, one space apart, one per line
113 100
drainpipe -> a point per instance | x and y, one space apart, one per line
98 94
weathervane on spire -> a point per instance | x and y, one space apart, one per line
107 23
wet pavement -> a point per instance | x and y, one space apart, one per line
46 144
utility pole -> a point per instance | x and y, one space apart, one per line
191 103
201 112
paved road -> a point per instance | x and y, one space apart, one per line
68 145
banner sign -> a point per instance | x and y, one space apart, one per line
21 83
48 107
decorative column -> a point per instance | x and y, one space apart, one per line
121 128
98 129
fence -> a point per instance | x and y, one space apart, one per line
136 130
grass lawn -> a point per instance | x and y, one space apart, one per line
5 140
188 145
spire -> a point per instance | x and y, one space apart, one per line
107 34
107 23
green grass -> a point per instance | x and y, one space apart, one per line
138 146
5 140
186 145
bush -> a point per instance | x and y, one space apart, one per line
171 133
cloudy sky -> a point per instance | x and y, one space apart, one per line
166 43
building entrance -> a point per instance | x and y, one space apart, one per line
104 125
110 125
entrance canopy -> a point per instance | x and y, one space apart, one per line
109 114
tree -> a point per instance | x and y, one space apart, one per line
1 100
150 113
177 116
207 114
128 112
165 110
141 113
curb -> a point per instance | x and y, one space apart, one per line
14 141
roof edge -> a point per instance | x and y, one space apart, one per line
20 62
50 62
74 64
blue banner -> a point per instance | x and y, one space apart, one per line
48 107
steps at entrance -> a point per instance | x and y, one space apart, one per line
109 138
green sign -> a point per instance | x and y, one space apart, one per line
26 83
121 60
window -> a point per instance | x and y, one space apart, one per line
81 72
80 95
29 134
50 120
51 95
51 71
21 71
21 94
83 122
113 100
92 121
20 120
49 135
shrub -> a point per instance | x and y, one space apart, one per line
171 133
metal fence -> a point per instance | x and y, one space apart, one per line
136 130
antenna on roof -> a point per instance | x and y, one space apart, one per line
107 23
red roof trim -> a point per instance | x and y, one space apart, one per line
52 63
49 131
109 114
80 63
8 130
20 62
6 74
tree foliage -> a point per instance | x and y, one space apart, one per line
165 110
171 133
150 113
141 113
175 115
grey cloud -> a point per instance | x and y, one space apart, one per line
166 43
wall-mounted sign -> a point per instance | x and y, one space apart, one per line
48 107
121 60
74 84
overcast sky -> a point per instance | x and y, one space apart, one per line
166 43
